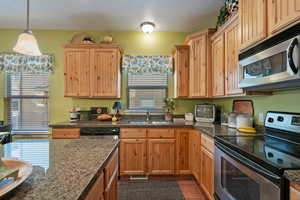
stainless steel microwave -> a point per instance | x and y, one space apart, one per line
274 67
205 113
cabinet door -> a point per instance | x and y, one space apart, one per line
232 45
181 75
207 172
133 156
195 154
97 190
253 21
161 156
218 66
182 151
105 73
294 191
76 72
198 67
282 13
111 191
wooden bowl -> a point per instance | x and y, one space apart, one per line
25 170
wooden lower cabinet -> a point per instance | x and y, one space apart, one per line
182 151
294 191
65 133
97 191
161 156
133 156
106 185
111 191
207 172
195 155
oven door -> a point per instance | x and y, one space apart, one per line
237 181
276 64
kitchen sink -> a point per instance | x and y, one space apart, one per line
149 122
160 122
138 123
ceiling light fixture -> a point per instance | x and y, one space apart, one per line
26 43
147 27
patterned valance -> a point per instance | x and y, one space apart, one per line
10 62
137 64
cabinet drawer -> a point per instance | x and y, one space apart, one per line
65 133
161 133
133 133
111 167
208 143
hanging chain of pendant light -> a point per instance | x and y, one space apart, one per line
26 43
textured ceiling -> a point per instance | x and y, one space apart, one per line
168 15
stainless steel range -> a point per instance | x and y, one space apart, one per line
252 167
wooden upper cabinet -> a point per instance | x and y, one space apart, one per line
218 81
181 72
92 71
77 72
105 72
232 44
200 64
282 13
253 21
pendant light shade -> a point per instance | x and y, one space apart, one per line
26 43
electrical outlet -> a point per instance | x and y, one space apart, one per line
261 118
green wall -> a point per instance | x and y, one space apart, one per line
52 41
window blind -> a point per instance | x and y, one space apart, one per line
36 152
147 91
28 101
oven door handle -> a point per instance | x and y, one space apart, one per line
247 162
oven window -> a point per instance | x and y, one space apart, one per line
266 67
238 184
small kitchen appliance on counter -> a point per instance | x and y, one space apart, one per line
97 111
252 167
205 113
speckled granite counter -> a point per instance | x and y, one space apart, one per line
63 169
293 176
206 128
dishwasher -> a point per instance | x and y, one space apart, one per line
101 131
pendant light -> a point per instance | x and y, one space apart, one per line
26 43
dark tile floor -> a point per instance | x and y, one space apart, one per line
150 190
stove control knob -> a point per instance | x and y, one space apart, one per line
270 155
279 161
270 120
280 119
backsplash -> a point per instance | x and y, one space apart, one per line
285 101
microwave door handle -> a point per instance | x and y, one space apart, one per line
294 43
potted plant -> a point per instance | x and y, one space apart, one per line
169 108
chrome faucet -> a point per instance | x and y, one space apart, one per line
148 114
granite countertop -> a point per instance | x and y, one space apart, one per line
62 169
210 129
293 176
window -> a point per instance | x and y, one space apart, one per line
27 101
147 91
